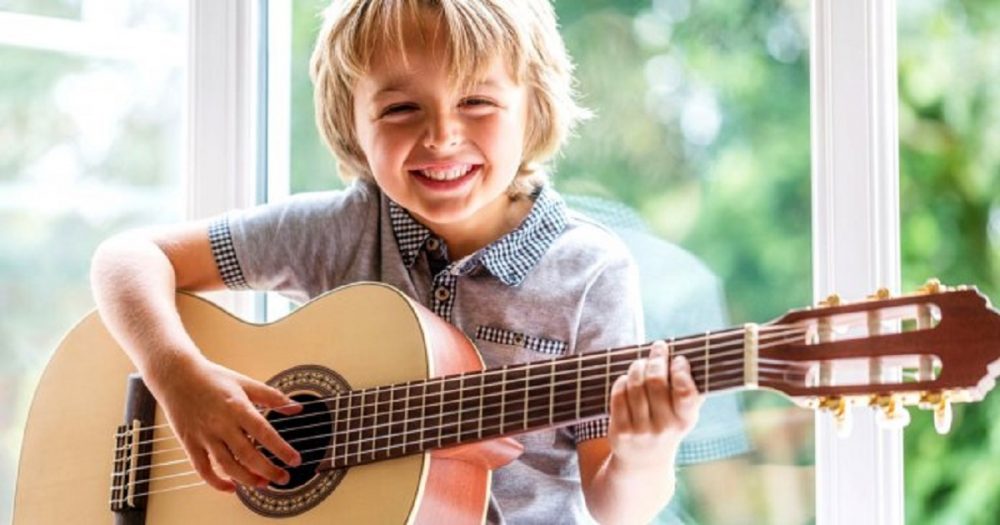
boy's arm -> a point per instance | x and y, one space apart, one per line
134 277
628 477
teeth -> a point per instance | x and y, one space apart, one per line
449 174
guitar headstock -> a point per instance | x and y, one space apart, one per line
929 348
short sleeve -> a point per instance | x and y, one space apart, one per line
298 246
611 316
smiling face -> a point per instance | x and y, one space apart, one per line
444 150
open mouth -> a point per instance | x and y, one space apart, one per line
449 178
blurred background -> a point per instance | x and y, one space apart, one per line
701 129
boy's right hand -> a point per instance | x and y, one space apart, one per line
211 411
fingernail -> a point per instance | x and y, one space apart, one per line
296 461
681 363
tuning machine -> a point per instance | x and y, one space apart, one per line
838 407
892 414
941 405
931 287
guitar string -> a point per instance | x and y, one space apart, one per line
692 343
726 369
407 433
696 358
347 454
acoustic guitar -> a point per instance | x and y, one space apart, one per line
402 424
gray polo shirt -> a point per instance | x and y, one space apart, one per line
557 284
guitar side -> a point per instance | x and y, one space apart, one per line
369 334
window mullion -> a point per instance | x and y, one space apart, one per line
859 479
222 116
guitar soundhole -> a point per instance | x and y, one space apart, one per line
309 432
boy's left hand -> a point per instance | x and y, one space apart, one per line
653 406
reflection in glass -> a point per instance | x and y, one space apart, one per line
699 158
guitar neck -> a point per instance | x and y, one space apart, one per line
397 420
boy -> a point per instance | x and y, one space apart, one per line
441 113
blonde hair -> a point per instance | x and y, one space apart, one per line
475 31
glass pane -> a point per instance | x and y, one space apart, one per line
155 15
700 142
88 147
949 124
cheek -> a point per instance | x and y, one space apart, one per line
389 145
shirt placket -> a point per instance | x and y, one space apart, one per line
445 281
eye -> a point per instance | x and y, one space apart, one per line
397 109
477 102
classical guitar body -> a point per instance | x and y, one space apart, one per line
367 335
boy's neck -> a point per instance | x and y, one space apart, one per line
484 227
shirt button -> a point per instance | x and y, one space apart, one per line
519 339
442 293
433 244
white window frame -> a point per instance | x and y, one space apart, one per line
855 176
855 180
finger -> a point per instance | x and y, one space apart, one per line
270 397
658 392
685 399
621 419
253 459
638 404
658 349
203 466
261 430
227 462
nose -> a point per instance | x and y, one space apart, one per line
444 131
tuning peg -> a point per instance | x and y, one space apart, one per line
837 407
831 300
891 414
943 416
932 286
880 294
844 422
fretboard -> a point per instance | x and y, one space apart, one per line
397 420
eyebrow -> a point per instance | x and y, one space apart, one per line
399 84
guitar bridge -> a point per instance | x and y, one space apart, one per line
133 454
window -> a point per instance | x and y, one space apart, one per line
700 142
949 123
92 99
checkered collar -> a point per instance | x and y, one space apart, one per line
510 257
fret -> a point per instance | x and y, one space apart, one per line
430 409
503 397
527 394
538 408
440 428
708 365
607 380
552 391
374 425
514 394
461 406
469 427
450 417
491 407
406 420
579 384
482 401
386 429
